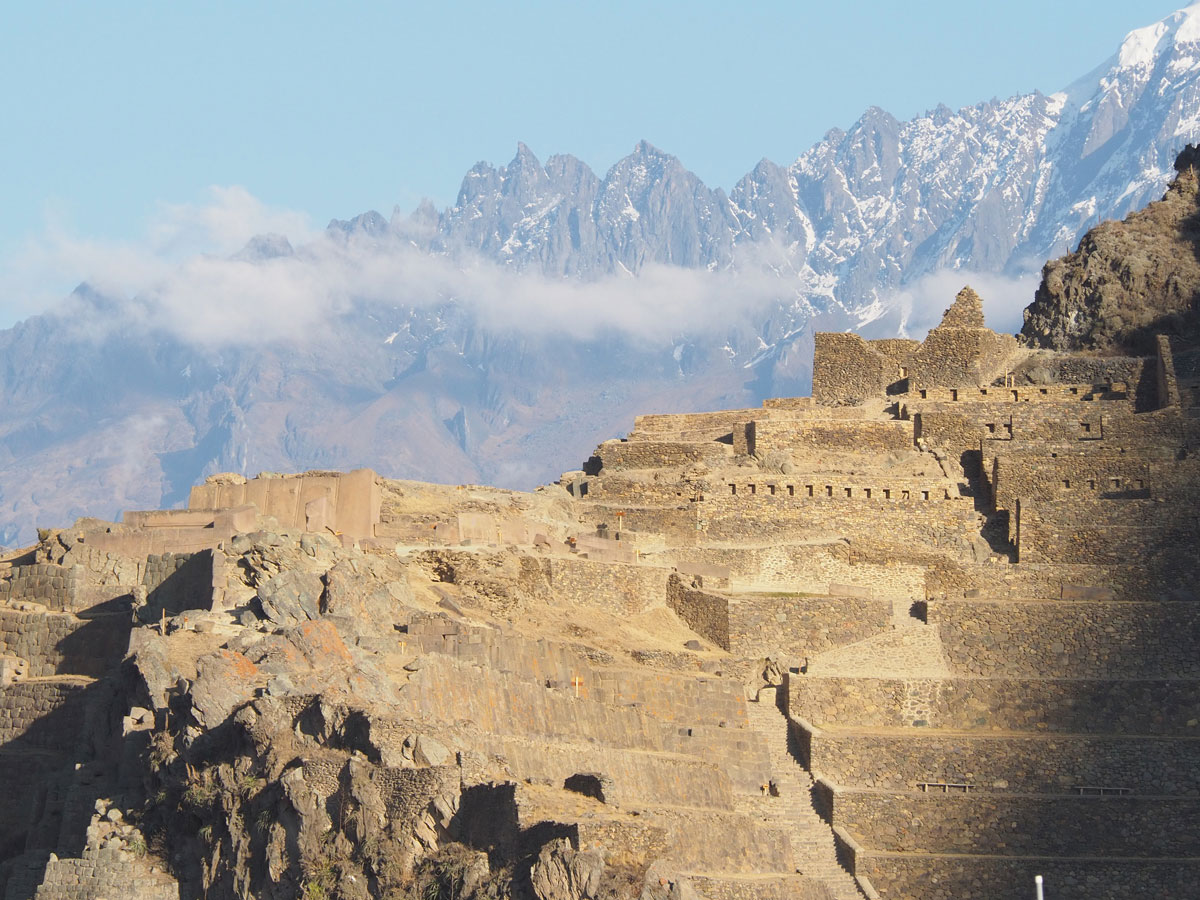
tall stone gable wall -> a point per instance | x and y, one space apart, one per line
848 369
960 358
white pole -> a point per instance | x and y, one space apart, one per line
1037 880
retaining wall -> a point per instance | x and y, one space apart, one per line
619 455
802 626
62 644
42 715
1044 639
1020 825
1092 878
1078 706
1026 763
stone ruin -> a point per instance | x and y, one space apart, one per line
926 634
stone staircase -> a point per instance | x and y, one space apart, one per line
812 839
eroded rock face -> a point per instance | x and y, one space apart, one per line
1127 280
562 873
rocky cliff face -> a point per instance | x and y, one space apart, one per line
1128 280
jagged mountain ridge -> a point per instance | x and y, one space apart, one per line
102 412
1000 187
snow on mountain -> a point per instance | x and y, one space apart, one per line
996 187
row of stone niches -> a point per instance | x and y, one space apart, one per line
1115 391
830 491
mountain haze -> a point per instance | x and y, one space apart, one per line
500 339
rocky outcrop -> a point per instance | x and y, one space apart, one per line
1127 280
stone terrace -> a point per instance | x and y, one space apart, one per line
993 661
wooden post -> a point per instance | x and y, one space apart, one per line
577 682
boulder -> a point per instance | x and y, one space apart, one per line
291 597
563 873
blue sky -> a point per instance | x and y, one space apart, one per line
119 116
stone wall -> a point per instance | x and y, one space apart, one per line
25 779
636 778
616 456
797 626
792 887
621 491
620 840
406 792
677 522
103 874
61 644
42 715
961 352
789 404
818 434
706 614
1044 639
1029 763
960 358
1029 476
689 699
1105 423
1054 531
790 491
542 691
747 845
1167 381
705 426
899 350
998 396
745 440
901 513
617 588
1032 580
108 568
1079 706
55 587
347 503
810 568
1034 825
179 581
958 426
998 878
848 369
958 431
1048 370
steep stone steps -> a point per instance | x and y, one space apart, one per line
812 839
